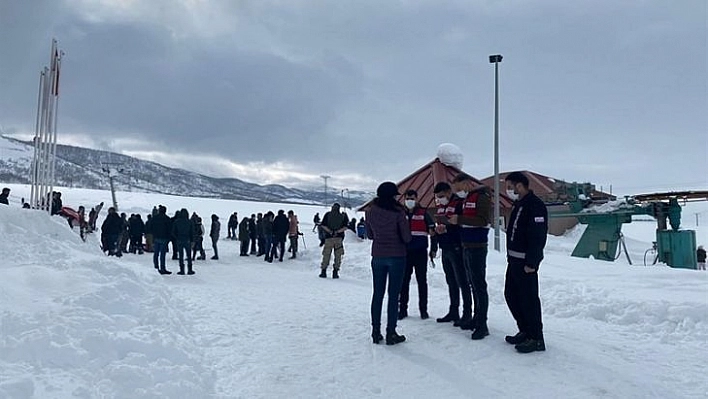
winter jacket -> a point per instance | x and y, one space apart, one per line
334 221
136 226
198 231
4 200
701 255
293 226
183 229
113 225
243 230
281 226
161 227
475 218
267 227
420 223
527 229
389 230
252 232
215 230
451 238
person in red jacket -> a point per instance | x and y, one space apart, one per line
422 226
474 221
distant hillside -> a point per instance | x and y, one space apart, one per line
83 167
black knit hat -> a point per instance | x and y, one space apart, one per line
387 189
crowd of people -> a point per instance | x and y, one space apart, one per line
260 235
401 235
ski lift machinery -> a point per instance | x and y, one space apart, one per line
603 237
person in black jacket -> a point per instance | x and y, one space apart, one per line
161 227
183 232
259 235
4 195
111 231
525 239
198 239
701 258
281 225
253 234
268 236
136 227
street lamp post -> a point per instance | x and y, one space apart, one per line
496 59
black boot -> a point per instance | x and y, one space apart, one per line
424 315
335 274
516 339
323 274
376 335
190 271
452 315
467 323
164 271
531 345
392 338
402 314
480 332
181 270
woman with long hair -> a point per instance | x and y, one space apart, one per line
387 226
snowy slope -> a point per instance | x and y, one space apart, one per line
77 324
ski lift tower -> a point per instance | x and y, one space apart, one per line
112 170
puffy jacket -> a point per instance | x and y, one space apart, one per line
475 218
281 226
390 231
113 225
161 227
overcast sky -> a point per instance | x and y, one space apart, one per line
606 91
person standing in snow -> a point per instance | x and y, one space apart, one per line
231 226
525 239
268 236
111 231
148 231
183 232
162 233
316 222
387 226
198 239
244 236
293 233
701 257
253 234
474 220
448 237
214 235
334 225
260 237
4 196
422 226
281 225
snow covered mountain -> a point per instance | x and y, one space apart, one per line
83 168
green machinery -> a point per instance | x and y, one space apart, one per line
603 237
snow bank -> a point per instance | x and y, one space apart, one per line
75 323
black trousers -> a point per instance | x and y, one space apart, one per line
278 247
457 281
521 293
476 265
416 260
244 246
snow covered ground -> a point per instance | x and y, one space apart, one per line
74 323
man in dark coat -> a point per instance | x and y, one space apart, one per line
268 236
136 227
214 235
253 234
243 236
183 232
4 196
161 227
56 203
259 235
111 230
526 234
281 225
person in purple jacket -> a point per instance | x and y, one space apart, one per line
387 226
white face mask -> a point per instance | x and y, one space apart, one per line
462 194
512 194
441 201
410 204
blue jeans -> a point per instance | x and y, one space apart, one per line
383 268
160 250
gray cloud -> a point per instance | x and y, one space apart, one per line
595 91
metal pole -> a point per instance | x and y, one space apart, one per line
325 177
55 96
496 158
34 194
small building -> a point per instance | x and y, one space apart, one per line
424 180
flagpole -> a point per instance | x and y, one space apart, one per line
33 178
55 98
